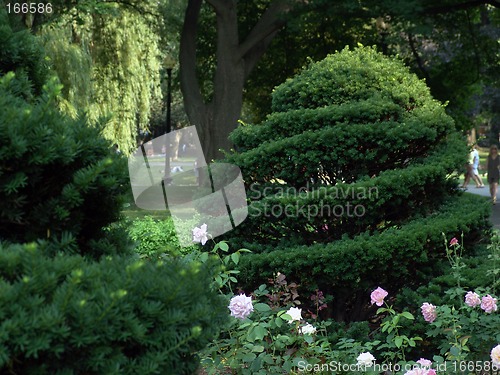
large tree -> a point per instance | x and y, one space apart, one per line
238 34
216 117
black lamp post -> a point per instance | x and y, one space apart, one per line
169 65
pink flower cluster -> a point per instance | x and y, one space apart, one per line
429 312
487 303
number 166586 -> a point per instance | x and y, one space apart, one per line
23 8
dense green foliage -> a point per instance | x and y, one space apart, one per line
109 64
340 175
382 143
20 55
73 298
58 175
452 44
66 315
393 258
155 237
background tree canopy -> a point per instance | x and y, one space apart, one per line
452 45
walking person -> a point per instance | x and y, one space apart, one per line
475 168
469 171
492 165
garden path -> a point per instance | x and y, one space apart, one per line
495 209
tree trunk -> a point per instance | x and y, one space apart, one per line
216 119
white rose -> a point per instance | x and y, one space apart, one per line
495 355
295 313
365 359
308 329
200 234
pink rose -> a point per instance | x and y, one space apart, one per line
453 241
241 306
417 371
424 362
429 312
472 299
489 304
420 371
378 296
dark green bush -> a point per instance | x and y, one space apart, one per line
350 76
350 268
57 175
21 54
74 300
59 178
322 214
68 315
347 179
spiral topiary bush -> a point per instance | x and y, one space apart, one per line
355 152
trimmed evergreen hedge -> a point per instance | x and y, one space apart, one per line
356 129
68 315
391 197
395 257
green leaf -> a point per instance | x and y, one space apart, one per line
258 349
407 315
454 351
285 316
235 257
249 357
398 341
262 307
381 310
223 246
218 279
259 332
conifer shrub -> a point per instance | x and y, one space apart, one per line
19 53
351 180
57 175
70 315
73 298
399 256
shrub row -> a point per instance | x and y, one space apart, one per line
349 268
67 315
326 213
344 152
372 112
